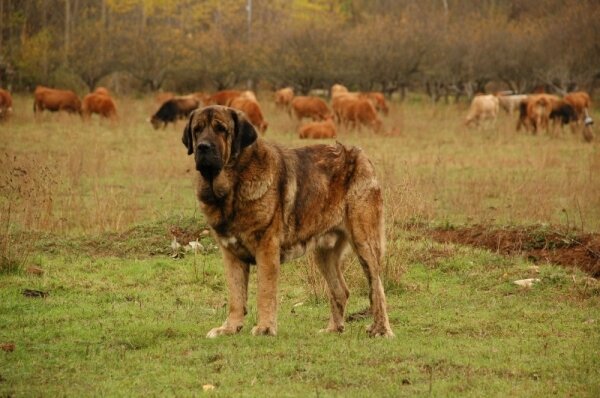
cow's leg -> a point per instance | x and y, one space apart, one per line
236 273
328 256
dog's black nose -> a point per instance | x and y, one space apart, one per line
204 147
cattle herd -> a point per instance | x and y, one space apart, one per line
349 110
536 112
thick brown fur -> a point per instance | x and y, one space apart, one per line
222 97
267 204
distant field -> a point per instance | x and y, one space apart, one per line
100 177
95 205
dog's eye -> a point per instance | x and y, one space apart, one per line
220 128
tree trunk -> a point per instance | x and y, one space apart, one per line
67 31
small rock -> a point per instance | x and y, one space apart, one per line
526 282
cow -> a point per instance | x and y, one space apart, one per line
318 130
222 97
581 102
99 103
357 112
534 112
284 97
6 103
252 110
309 107
174 109
378 100
483 107
510 103
55 100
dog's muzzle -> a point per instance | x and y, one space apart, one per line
208 160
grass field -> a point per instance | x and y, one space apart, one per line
94 207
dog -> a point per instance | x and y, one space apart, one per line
267 204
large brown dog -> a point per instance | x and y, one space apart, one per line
267 204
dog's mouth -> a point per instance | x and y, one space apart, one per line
209 165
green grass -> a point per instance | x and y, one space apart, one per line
96 205
125 326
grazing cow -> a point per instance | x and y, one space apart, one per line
55 100
318 130
378 100
173 109
222 97
252 110
5 105
357 112
510 103
581 102
563 113
101 104
284 97
482 107
534 112
309 107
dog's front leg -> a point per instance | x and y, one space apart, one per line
267 261
236 273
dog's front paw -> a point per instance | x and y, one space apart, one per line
264 331
223 330
379 331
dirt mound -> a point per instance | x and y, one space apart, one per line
567 249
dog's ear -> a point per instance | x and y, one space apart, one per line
244 133
187 138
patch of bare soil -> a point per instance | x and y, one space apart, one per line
566 249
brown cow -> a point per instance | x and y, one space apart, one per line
581 102
252 110
309 107
101 104
534 112
378 100
284 97
318 130
223 97
5 104
356 112
55 100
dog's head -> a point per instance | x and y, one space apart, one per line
216 135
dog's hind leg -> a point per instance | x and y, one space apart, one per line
365 224
236 273
328 256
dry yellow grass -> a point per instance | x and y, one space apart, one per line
59 173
